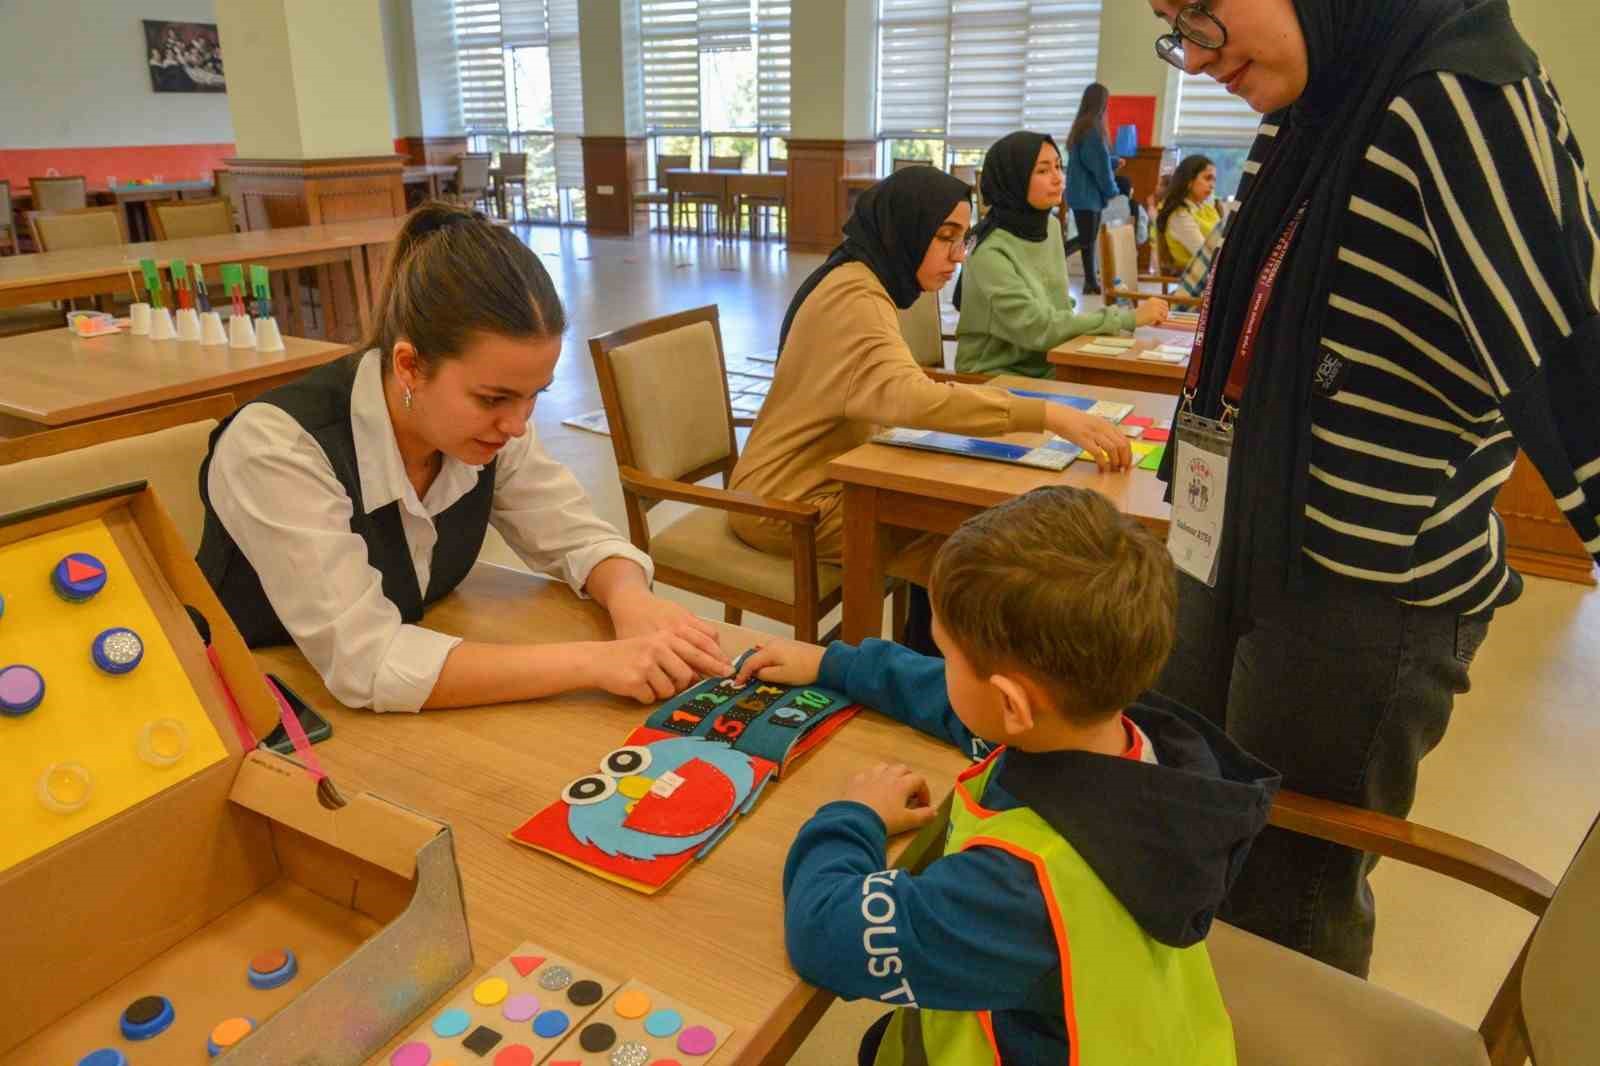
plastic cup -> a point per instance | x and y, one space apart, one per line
161 327
211 330
241 334
268 339
188 324
139 319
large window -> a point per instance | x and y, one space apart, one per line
1213 122
715 79
954 76
521 92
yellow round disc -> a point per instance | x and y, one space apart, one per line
633 1004
230 1032
634 787
490 991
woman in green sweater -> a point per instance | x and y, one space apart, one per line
1013 290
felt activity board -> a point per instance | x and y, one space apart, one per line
778 723
519 1011
96 711
1146 454
650 808
1110 410
1056 454
641 1026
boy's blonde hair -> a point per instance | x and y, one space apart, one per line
1058 584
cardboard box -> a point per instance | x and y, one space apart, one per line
175 895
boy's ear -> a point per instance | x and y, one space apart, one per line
1017 703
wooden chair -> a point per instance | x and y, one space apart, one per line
759 205
472 180
664 384
1288 1008
702 200
1120 276
164 446
8 224
514 171
84 227
901 164
172 220
59 194
654 200
726 162
227 185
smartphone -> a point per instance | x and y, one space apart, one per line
317 728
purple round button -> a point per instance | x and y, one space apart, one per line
412 1054
697 1040
21 689
521 1007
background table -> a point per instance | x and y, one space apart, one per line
1125 371
927 492
57 378
714 938
429 175
724 184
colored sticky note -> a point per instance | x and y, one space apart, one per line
1153 460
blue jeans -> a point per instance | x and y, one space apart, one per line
1343 694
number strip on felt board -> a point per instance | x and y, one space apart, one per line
759 719
641 1024
532 999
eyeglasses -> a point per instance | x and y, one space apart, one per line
1196 25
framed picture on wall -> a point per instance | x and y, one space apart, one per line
184 57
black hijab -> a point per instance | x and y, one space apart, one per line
1007 173
1361 52
889 231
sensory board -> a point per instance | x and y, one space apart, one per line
536 1008
1054 454
1110 410
97 743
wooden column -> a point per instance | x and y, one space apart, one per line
613 168
818 205
1539 540
278 193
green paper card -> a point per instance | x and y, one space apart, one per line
232 278
259 281
1153 460
180 273
152 280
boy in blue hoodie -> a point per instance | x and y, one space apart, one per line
1088 847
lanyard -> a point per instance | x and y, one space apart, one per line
1244 355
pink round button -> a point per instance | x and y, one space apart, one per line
521 1007
413 1054
697 1040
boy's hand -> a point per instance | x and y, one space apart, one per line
897 793
783 662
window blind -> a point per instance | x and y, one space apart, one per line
437 88
670 51
913 67
774 59
1209 115
524 24
724 25
480 63
566 91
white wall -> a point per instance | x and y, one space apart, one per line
73 74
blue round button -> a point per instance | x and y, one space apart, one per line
147 1017
106 1056
551 1023
117 651
282 974
78 577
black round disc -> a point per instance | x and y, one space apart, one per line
144 1011
584 993
597 1037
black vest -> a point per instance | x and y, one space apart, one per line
320 402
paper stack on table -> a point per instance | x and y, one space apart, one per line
1166 353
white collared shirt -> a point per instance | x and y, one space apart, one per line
274 490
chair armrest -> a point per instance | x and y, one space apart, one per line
1395 838
958 378
655 488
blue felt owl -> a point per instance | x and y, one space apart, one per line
662 798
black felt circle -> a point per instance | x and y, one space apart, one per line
584 993
597 1037
145 1010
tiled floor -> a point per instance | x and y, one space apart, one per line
1516 771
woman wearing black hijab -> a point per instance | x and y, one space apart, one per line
1408 294
1012 293
844 369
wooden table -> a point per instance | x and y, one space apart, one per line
726 185
341 252
926 492
57 378
430 175
1125 371
134 200
713 938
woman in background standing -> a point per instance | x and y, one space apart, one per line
1091 178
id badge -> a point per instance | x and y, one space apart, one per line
1199 494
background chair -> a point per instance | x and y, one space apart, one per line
1290 1010
472 180
164 446
760 206
726 162
84 227
665 390
513 172
901 164
172 220
1119 270
654 200
8 223
59 194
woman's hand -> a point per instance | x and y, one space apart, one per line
1151 312
637 612
653 667
1103 441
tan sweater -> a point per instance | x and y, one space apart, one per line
844 373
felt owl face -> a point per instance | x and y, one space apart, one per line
662 798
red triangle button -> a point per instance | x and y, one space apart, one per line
77 571
526 964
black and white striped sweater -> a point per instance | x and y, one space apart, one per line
1464 320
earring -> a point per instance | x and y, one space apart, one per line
406 399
